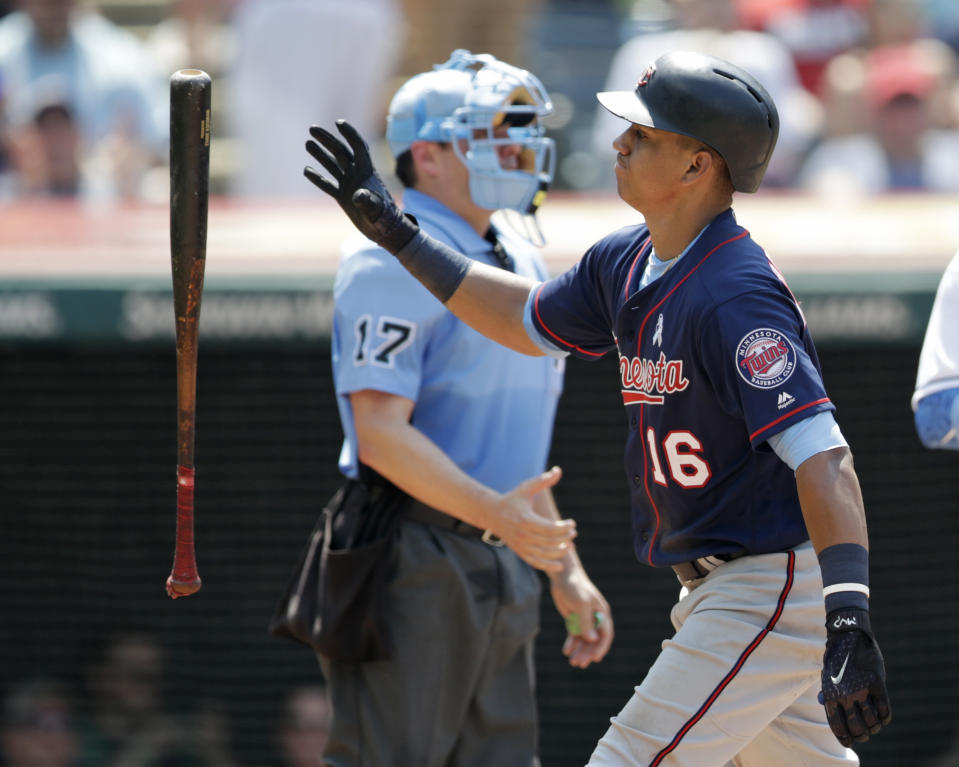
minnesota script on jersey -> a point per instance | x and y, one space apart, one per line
714 358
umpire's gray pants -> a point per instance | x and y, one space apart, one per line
458 690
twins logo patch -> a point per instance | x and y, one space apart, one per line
765 358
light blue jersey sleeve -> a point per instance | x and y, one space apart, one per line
380 323
937 419
548 347
936 397
805 439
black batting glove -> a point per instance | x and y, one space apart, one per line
853 678
357 188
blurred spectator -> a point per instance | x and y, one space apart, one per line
4 136
45 153
195 34
814 31
115 93
305 726
37 726
942 20
712 26
497 27
126 724
899 150
301 62
903 23
892 23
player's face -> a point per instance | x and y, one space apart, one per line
650 165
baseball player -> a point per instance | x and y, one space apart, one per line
936 399
741 480
463 425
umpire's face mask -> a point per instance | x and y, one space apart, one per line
510 161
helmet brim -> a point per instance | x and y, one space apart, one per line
626 104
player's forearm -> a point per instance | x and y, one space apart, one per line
492 302
415 464
831 499
836 520
489 300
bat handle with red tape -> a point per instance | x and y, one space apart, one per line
184 578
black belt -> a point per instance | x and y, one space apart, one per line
427 515
700 568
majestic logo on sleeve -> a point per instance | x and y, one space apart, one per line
765 358
785 400
646 382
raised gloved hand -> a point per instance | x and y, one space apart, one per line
357 188
853 678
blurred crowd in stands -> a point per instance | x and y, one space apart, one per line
867 90
117 716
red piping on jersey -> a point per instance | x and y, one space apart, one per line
629 277
639 341
790 576
564 343
782 279
787 415
642 441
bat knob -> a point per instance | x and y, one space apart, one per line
182 588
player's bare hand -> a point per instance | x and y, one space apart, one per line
538 541
589 621
354 183
853 678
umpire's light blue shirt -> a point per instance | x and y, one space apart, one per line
488 408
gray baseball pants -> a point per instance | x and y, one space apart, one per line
736 685
458 690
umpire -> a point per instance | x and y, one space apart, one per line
463 426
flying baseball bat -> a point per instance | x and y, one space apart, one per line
189 199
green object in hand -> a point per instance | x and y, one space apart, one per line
572 622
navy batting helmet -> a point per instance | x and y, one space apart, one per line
710 100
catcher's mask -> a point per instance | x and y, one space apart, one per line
465 102
708 99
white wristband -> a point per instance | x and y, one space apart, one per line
837 587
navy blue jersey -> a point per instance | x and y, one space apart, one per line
714 358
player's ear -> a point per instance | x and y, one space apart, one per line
700 163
